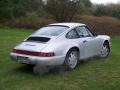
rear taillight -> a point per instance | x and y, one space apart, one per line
40 54
49 54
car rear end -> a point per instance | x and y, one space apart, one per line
31 50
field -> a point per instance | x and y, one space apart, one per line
96 74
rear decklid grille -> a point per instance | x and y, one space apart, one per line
31 46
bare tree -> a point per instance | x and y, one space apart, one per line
62 10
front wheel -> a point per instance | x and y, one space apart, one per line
105 50
71 59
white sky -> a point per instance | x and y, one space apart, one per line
105 1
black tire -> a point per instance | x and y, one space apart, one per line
73 54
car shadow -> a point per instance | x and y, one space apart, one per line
24 69
29 69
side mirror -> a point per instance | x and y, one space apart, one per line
95 34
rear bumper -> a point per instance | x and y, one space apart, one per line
48 61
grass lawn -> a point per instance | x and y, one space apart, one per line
97 74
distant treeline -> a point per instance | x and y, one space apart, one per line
10 9
112 10
60 10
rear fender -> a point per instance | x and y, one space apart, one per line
70 47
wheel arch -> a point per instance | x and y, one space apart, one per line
106 41
74 47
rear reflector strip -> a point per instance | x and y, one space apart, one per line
40 54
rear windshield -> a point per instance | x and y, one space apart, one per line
38 39
51 30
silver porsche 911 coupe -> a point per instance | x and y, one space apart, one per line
61 44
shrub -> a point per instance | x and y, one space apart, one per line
37 24
102 25
29 18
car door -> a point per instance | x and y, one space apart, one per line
89 44
94 42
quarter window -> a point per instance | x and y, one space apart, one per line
72 34
83 32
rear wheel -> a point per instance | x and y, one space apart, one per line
105 50
71 59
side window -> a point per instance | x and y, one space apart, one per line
72 34
83 32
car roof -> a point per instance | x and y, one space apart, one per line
71 24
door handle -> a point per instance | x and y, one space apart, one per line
85 41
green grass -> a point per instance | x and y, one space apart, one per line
97 74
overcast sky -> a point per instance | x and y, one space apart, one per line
105 1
